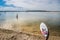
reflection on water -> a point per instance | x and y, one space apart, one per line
53 17
2 17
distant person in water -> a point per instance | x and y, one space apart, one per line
17 16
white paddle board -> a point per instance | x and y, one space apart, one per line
44 29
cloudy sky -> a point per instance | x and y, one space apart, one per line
32 4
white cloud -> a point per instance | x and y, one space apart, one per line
35 4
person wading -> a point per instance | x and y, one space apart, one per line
17 16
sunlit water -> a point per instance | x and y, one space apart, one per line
51 16
48 17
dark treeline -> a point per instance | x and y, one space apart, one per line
29 11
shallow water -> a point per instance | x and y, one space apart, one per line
8 20
50 17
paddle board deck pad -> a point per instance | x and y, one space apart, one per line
44 29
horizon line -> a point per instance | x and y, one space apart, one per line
28 11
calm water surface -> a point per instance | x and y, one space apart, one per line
49 17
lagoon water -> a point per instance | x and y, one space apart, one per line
49 17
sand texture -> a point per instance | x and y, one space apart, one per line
12 35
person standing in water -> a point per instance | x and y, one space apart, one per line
17 16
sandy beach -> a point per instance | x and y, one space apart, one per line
24 31
13 35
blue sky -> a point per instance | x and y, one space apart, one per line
32 4
2 3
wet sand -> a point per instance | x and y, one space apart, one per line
24 31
